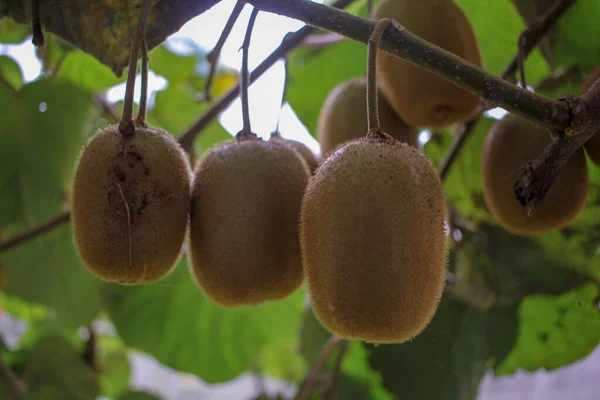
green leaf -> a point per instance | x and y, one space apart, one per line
447 360
138 396
498 42
10 72
11 32
47 270
114 365
173 67
312 337
314 73
174 322
576 37
60 372
85 71
176 109
555 330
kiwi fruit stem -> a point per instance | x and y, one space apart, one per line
245 74
374 39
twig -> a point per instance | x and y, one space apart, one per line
331 391
245 75
403 44
186 139
213 56
373 45
522 43
289 43
533 34
322 40
312 377
14 386
369 7
141 118
127 126
38 39
535 31
37 230
89 352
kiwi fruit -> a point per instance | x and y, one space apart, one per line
373 241
130 208
305 153
343 117
509 145
244 242
592 146
420 97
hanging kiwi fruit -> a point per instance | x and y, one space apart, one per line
420 97
244 244
509 145
343 118
131 193
305 153
373 235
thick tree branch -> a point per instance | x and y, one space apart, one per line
401 43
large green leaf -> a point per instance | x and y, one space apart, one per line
314 73
86 72
11 32
173 321
448 359
576 37
498 41
556 330
48 127
10 73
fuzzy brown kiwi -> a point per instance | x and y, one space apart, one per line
592 146
373 241
509 145
244 244
307 155
421 97
130 206
343 117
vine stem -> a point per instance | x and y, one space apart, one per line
15 387
38 39
215 54
245 74
373 45
312 377
331 391
141 118
126 126
403 44
186 139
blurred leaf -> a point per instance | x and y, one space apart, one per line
11 32
86 72
314 73
176 109
138 396
103 28
312 337
49 119
175 323
498 41
555 330
576 37
114 365
173 67
447 360
10 72
58 372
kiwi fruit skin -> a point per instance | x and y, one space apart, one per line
244 242
592 146
305 153
509 145
151 172
420 97
343 117
373 241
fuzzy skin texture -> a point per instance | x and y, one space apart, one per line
244 242
421 97
509 145
343 117
154 176
304 152
592 146
373 241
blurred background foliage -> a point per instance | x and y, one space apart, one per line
539 295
